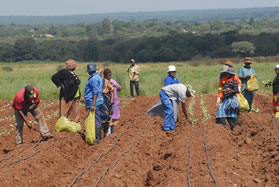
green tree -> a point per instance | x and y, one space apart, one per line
107 26
243 48
25 49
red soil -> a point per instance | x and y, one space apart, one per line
145 155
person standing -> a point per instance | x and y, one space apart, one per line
275 86
229 108
171 79
170 94
25 101
93 97
244 75
108 96
134 73
116 109
69 98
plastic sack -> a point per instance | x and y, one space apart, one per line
252 84
65 125
243 103
89 125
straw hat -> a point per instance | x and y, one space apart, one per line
248 60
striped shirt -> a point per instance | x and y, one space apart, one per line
230 84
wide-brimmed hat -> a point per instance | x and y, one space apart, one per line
224 69
71 64
248 60
227 69
91 68
29 91
229 63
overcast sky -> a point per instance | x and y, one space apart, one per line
70 7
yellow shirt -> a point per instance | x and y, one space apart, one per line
131 73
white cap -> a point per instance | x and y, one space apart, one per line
133 60
277 66
171 68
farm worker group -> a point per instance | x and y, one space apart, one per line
230 85
101 97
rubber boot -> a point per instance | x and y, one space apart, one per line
98 134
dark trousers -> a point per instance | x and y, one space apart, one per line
232 121
132 85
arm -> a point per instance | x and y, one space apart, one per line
56 79
184 110
25 119
92 108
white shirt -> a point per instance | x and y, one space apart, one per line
176 92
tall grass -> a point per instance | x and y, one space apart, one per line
203 78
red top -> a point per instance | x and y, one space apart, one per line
19 101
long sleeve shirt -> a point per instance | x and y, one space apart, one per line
226 83
170 80
94 86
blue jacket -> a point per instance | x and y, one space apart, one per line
170 80
94 86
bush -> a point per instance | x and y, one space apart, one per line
7 68
59 67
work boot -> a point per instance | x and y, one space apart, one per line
98 134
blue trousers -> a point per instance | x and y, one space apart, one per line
169 121
98 117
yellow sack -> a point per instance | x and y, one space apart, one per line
64 125
89 125
252 84
243 103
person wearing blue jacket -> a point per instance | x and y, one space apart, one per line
93 97
171 79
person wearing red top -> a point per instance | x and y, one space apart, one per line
27 100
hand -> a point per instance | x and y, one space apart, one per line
28 125
239 89
218 102
92 108
62 86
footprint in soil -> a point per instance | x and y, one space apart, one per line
167 155
157 168
149 179
6 151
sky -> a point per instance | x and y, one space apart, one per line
73 7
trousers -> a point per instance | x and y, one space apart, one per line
136 85
169 121
39 117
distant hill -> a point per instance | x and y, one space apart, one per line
179 15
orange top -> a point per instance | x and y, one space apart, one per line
223 81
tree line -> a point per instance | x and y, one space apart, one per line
171 47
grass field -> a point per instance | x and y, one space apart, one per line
203 78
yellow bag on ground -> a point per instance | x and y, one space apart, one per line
243 103
64 125
89 125
252 84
